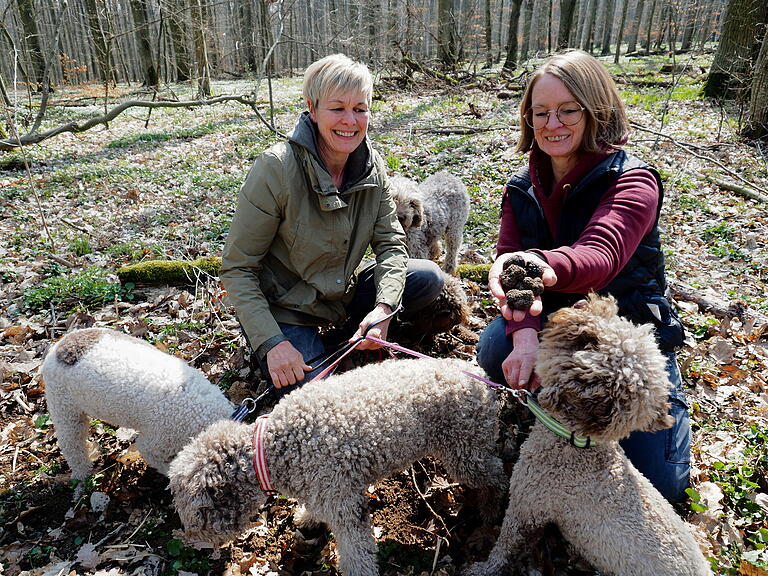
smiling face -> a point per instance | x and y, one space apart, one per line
342 122
562 143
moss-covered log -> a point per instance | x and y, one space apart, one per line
173 272
475 272
176 272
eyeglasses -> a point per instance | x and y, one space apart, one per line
568 113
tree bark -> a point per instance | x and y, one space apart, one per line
446 34
176 25
756 126
566 23
729 74
149 68
610 8
100 42
32 41
514 21
589 25
634 27
203 70
527 18
620 35
649 24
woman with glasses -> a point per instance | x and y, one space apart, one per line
587 212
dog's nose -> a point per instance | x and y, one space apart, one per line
580 304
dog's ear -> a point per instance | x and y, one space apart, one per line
418 212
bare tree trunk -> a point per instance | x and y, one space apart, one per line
691 19
527 18
620 35
203 70
589 25
729 74
177 26
446 33
566 23
757 120
149 68
651 14
488 35
610 8
100 42
514 21
32 41
634 27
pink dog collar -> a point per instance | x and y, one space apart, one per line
260 456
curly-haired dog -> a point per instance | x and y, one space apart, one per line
328 441
104 374
410 208
449 309
444 211
602 377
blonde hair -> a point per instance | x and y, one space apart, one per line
592 86
336 72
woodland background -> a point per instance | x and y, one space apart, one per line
128 127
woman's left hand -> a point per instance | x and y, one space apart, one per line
379 330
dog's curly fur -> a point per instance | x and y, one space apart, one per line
602 377
437 208
104 374
330 440
449 309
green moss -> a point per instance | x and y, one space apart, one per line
475 272
174 272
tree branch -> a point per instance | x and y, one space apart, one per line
76 127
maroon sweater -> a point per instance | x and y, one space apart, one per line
625 214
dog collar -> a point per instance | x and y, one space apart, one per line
260 456
557 427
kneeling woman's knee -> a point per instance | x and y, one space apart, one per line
493 348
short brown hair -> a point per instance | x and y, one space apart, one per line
336 72
592 86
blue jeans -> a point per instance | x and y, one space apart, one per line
423 284
664 457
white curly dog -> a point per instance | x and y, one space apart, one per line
327 442
437 208
107 375
601 377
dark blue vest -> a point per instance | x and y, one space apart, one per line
640 288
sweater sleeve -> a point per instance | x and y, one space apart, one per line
625 214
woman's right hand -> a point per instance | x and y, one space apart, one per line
286 365
548 278
518 366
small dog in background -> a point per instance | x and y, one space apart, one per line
107 375
436 209
602 377
327 442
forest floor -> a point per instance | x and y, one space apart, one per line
164 185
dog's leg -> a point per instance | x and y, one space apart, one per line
516 526
156 456
483 471
305 518
352 529
72 432
453 239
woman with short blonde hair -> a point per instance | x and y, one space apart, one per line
309 211
336 72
